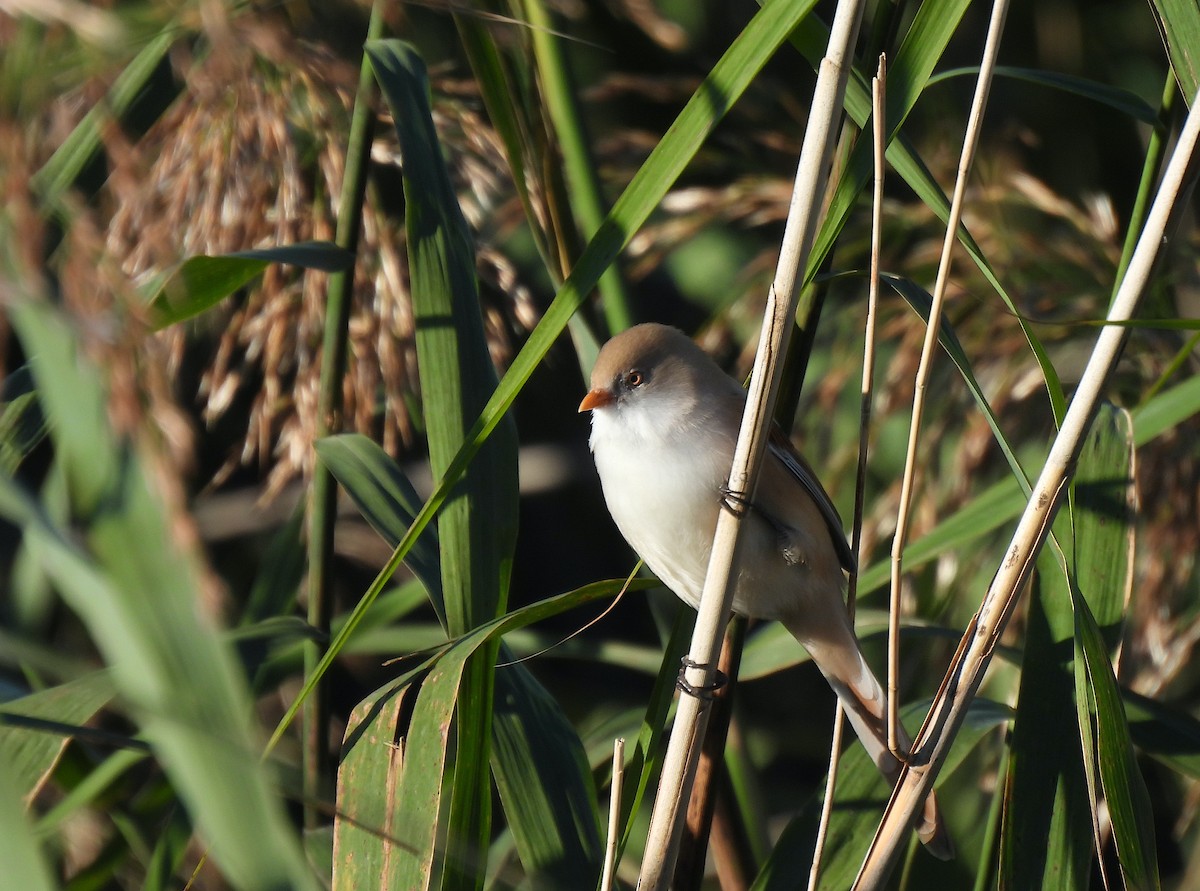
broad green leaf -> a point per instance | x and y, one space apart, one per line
31 754
622 654
544 783
477 528
545 815
366 835
1101 585
1125 792
200 283
403 721
1102 504
1166 410
387 501
1054 789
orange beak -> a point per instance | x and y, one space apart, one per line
596 399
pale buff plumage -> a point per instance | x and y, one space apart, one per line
664 423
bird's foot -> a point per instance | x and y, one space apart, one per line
700 691
737 503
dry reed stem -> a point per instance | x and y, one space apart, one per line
614 815
970 142
811 178
878 135
976 648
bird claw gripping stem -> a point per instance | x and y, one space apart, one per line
701 691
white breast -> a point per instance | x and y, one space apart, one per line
665 507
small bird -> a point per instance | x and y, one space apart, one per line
665 421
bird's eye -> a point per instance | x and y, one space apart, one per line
634 379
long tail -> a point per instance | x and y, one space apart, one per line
865 703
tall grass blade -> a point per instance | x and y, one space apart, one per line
138 594
1046 839
64 166
1119 100
1156 151
1179 25
582 180
22 424
388 502
477 528
1102 581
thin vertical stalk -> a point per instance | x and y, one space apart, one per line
987 67
586 200
614 815
979 643
693 852
879 137
323 504
1155 150
811 178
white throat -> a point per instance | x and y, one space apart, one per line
661 472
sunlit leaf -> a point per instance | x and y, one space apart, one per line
200 283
